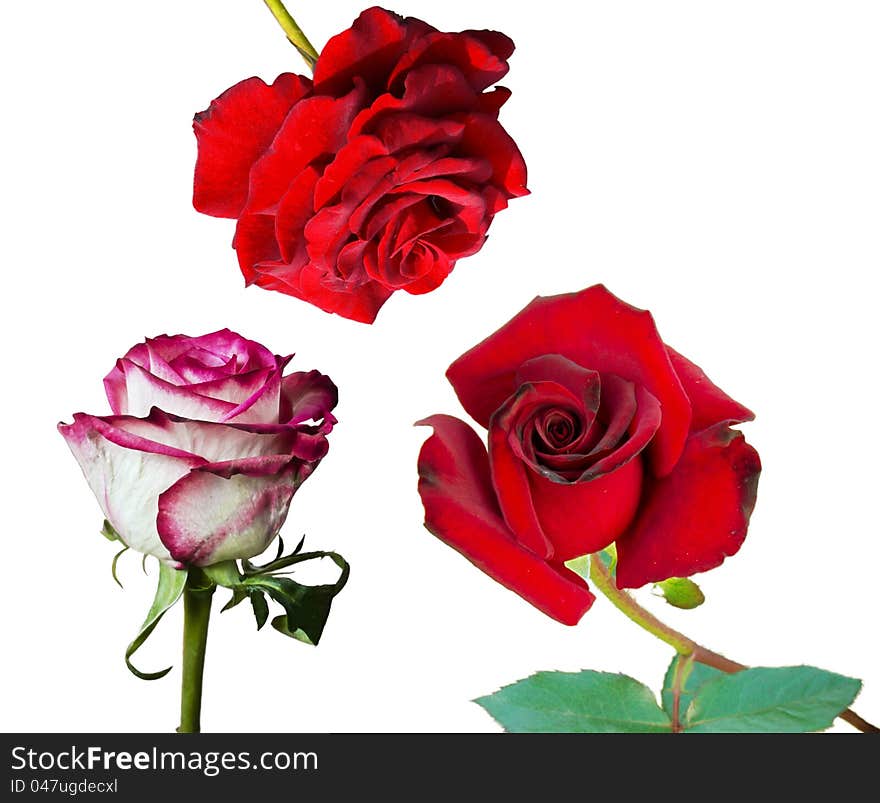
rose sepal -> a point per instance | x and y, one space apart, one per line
306 608
168 590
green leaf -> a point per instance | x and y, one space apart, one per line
576 702
698 675
108 532
681 592
788 699
168 591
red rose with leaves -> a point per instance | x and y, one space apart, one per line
599 433
374 176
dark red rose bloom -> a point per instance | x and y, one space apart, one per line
599 433
376 175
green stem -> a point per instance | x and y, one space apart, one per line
196 615
295 35
682 670
683 645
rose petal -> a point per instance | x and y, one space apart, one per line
350 159
360 303
642 429
308 395
402 131
145 391
224 512
432 90
368 50
585 516
461 510
692 519
126 475
500 44
710 404
207 441
478 62
256 246
583 383
485 137
594 329
316 127
510 474
233 133
294 212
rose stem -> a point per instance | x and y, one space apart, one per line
684 646
196 615
295 35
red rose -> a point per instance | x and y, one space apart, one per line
598 433
377 175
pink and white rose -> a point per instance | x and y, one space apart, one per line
206 447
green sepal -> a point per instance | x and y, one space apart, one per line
261 608
608 556
306 608
577 702
168 591
116 558
681 592
239 593
786 699
108 532
224 574
280 623
580 566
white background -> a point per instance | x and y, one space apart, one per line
717 163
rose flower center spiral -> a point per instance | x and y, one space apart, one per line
556 430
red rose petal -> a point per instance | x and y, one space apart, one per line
350 159
368 50
294 212
697 516
500 44
585 516
642 429
359 303
485 137
510 475
478 63
710 404
441 267
316 127
594 329
582 382
233 133
461 510
405 130
255 244
433 90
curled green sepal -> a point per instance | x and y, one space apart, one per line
168 591
116 558
306 608
681 592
